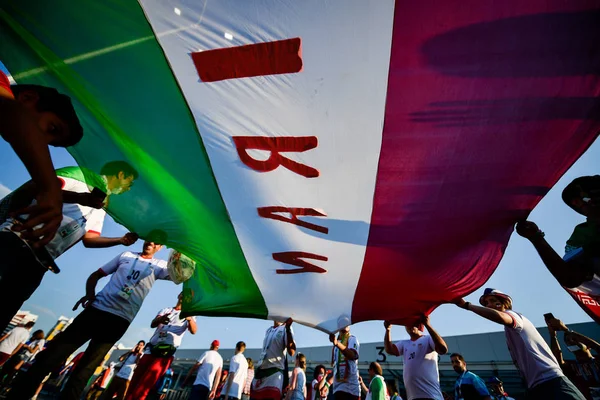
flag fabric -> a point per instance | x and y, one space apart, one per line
330 161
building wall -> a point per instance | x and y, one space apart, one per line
21 318
486 355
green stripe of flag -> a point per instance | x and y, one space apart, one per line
105 55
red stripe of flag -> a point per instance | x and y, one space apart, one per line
270 58
483 115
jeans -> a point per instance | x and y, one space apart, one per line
559 388
199 392
20 276
102 328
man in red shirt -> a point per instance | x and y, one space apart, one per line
31 118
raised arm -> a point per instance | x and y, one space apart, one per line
160 319
555 346
592 344
440 345
390 348
498 317
192 326
291 344
564 273
350 354
94 240
20 129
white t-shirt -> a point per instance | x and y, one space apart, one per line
274 348
421 376
77 220
128 367
133 273
529 351
173 332
239 366
351 385
29 356
15 337
211 362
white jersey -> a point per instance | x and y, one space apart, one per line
421 376
28 356
346 373
210 362
274 348
77 220
239 366
128 367
17 336
132 278
171 333
529 351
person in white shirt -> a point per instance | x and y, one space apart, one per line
104 320
12 341
22 267
529 351
159 353
25 355
420 352
238 372
270 373
210 366
119 384
346 351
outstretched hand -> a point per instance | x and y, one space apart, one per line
387 325
289 322
129 238
459 301
333 339
527 229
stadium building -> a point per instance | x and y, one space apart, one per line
486 355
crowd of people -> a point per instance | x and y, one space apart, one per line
46 216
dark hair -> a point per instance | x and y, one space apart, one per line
38 333
240 345
317 368
375 367
30 324
141 341
457 355
301 361
114 167
586 184
51 101
250 363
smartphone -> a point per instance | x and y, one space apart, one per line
548 316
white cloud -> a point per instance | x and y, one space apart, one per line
4 190
43 310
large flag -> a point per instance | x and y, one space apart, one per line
332 161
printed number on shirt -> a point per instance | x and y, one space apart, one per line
411 355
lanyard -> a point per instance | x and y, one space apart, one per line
136 276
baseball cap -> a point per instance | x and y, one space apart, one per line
494 379
494 292
215 343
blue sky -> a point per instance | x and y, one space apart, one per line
521 273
